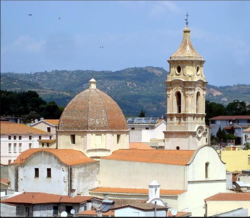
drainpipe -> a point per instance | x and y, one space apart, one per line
69 181
155 210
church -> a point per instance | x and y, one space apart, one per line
188 170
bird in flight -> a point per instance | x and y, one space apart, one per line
101 47
59 18
29 14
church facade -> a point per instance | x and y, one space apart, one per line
186 91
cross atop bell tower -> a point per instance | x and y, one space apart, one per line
186 91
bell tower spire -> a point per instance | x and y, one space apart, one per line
186 91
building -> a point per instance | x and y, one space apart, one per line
93 123
12 119
139 145
147 129
186 91
232 124
37 204
16 138
224 202
246 135
54 171
186 176
236 160
47 125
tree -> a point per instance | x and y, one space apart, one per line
221 135
236 108
142 114
247 146
213 110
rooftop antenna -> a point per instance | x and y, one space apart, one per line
186 20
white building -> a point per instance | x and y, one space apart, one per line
55 171
186 177
232 124
16 138
147 129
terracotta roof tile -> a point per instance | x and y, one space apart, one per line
236 117
135 191
229 197
21 129
53 122
93 212
179 214
92 109
5 181
43 198
139 145
67 156
172 157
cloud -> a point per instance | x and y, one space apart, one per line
161 8
25 43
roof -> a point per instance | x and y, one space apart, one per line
92 109
67 156
247 130
139 145
135 191
241 196
186 49
44 198
53 121
236 117
93 212
4 181
20 129
179 214
172 157
138 204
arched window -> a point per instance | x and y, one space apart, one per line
197 102
206 170
178 101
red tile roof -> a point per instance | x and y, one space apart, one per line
139 145
4 181
229 197
20 129
47 140
67 156
53 122
179 214
172 157
135 191
93 212
236 117
44 198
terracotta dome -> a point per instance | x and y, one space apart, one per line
92 109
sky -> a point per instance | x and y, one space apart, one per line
114 35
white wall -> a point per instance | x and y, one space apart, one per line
133 212
25 141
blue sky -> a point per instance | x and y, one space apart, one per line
133 33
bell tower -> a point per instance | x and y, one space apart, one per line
186 91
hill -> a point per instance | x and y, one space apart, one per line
133 89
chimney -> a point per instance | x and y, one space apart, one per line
41 118
154 190
73 193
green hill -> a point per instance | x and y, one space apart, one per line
134 89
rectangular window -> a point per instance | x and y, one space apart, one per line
55 210
30 145
9 161
42 144
48 172
40 137
36 172
68 209
20 137
14 137
9 137
9 147
50 137
20 147
48 129
47 144
14 147
132 128
212 121
118 139
147 128
30 137
73 139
